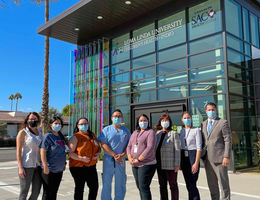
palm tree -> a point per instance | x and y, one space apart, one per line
17 96
11 98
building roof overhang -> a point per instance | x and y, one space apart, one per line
83 15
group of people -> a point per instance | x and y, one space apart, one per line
42 158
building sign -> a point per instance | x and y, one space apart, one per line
148 37
204 16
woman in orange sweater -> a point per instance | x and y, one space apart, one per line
84 151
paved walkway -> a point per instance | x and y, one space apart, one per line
243 186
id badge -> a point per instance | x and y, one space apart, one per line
186 153
135 148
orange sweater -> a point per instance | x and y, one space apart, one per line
85 147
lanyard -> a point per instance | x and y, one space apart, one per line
185 138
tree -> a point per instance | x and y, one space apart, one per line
11 97
17 96
66 110
52 112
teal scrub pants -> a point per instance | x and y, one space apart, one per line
111 167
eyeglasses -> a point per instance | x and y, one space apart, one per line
117 116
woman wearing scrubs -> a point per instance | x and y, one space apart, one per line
141 155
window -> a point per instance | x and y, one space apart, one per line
120 50
120 78
205 44
214 71
173 92
172 53
172 66
143 40
235 57
121 67
246 25
204 19
144 96
233 18
235 43
254 30
147 72
208 87
171 30
144 61
172 79
206 58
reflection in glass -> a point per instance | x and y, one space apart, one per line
119 89
143 84
121 67
209 87
246 25
254 30
120 78
172 79
172 53
172 66
143 73
173 92
176 34
233 11
235 43
144 38
120 99
197 106
212 42
236 72
235 57
144 61
237 87
210 57
247 49
144 96
214 71
204 19
120 51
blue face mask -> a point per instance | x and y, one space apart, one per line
187 122
83 128
116 120
212 114
143 125
56 127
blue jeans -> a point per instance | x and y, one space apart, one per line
143 178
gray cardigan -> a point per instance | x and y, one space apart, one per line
170 149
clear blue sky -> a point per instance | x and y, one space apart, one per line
22 57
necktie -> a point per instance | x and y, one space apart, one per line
209 127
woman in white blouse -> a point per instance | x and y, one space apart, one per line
190 155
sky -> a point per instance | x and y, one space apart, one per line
22 57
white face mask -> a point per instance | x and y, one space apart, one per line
165 124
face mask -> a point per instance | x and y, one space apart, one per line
187 122
165 124
56 127
211 114
116 120
83 128
143 125
32 123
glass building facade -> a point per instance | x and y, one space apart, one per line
208 52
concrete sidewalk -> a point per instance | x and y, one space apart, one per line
244 186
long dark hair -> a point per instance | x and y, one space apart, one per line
53 119
137 122
165 116
76 129
25 122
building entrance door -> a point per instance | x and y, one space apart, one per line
154 112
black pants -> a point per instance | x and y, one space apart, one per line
190 179
51 183
82 175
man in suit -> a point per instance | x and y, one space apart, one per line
217 137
